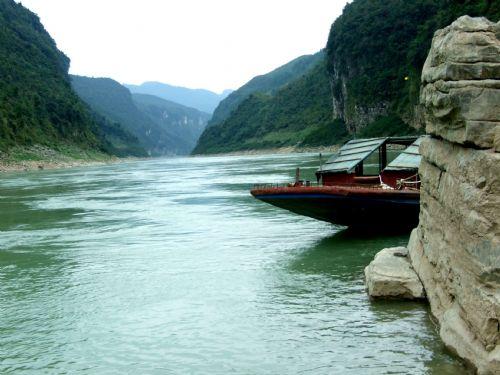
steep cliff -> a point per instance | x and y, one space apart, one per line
376 50
37 105
185 123
266 83
114 101
374 57
297 114
456 247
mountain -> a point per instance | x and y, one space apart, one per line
183 122
298 114
117 140
202 100
266 83
368 88
37 104
113 101
376 50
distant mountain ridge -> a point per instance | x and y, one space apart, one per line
266 83
184 122
298 114
368 84
110 99
200 99
162 128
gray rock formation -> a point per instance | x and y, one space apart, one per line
344 106
456 248
461 86
390 275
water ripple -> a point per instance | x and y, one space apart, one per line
168 266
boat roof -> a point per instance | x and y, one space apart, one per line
407 159
356 151
351 154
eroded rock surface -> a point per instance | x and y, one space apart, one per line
456 248
461 86
390 275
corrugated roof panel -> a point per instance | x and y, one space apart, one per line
351 154
364 143
356 156
409 158
354 151
341 166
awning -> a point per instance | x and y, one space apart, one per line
409 159
351 154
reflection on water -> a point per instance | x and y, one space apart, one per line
170 266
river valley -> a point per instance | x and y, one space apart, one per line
169 266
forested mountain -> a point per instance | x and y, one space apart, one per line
202 100
267 83
158 136
117 140
37 105
376 51
184 122
297 114
370 87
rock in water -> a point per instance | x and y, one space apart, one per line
456 248
390 275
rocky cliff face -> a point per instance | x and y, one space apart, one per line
354 113
456 247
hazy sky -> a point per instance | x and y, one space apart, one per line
213 44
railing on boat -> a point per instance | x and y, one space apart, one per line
403 184
290 184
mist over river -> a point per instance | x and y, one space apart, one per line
169 266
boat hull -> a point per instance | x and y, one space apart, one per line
348 206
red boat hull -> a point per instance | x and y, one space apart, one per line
352 206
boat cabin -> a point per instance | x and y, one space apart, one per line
374 161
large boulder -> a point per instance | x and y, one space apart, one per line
461 83
456 248
390 275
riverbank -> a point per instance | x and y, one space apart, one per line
277 150
41 157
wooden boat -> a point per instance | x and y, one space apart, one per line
352 192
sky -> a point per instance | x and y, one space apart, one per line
211 44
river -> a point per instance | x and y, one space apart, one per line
169 266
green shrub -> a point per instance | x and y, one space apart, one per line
387 126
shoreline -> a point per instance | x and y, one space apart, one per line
60 161
25 159
278 150
33 165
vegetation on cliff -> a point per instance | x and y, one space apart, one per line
38 108
37 105
267 83
299 114
115 103
374 57
183 122
376 51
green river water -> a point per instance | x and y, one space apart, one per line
169 266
